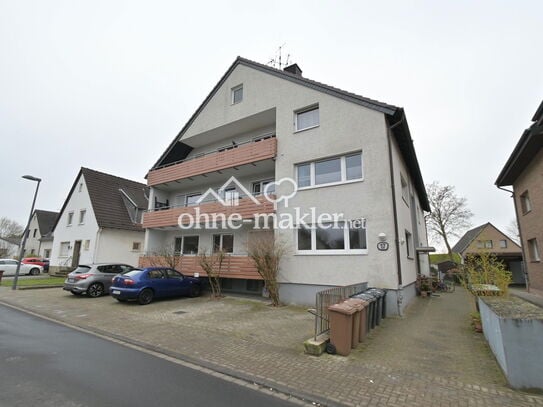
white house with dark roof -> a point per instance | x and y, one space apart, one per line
100 221
312 148
40 234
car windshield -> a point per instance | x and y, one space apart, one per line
81 269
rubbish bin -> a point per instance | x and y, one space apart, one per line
378 294
382 299
358 304
363 328
369 310
341 327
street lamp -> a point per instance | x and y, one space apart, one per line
25 233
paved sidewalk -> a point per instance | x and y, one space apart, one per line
431 357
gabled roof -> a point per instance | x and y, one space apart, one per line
16 240
395 117
46 220
468 237
529 145
108 205
472 234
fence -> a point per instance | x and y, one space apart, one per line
329 297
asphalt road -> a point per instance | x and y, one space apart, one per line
47 364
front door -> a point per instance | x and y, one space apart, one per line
76 253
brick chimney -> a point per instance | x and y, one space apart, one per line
294 69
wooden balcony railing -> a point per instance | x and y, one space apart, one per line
170 217
233 266
241 154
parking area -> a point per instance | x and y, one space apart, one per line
431 357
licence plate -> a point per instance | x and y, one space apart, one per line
116 292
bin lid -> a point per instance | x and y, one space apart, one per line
373 292
367 297
358 303
379 290
343 308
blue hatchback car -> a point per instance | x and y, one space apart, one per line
153 282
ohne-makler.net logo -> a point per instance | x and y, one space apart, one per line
232 192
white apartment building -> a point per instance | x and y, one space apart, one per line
316 150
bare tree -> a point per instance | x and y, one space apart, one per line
212 265
449 214
10 228
166 256
266 252
513 231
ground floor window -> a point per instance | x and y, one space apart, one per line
64 249
342 238
186 244
224 242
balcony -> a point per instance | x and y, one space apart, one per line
233 266
233 156
169 217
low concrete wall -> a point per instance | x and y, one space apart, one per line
514 330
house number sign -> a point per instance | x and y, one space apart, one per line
382 246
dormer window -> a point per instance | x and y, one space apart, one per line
237 94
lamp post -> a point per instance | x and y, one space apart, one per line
25 233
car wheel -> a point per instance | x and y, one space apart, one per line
95 290
146 296
76 293
34 272
194 291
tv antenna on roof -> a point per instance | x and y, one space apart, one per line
277 61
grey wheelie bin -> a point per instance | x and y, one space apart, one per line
370 309
379 296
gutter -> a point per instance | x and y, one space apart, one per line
395 215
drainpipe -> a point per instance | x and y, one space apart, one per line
394 208
524 257
97 242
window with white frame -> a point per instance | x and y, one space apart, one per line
82 214
237 94
259 186
186 244
525 203
488 244
330 171
533 250
306 118
503 244
343 238
405 189
64 249
224 242
480 244
70 219
409 244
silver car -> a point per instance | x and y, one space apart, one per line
93 279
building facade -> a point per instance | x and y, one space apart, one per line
100 221
524 172
274 144
40 234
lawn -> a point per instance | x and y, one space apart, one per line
28 282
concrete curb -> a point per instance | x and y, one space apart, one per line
262 382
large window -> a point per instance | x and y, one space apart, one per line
307 118
186 245
331 171
533 250
525 203
224 242
343 238
64 249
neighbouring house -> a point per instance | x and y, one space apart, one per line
298 150
100 221
489 239
523 170
9 246
39 240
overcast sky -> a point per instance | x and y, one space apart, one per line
108 84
